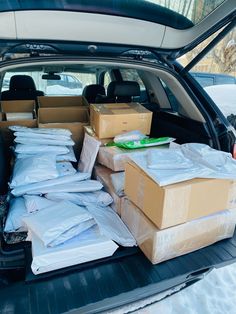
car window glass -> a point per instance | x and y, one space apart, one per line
216 72
69 84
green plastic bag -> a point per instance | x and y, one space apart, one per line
146 142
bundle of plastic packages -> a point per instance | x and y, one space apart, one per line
30 141
64 180
58 223
87 246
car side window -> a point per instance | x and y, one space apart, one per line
216 72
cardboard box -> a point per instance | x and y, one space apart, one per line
72 118
14 106
89 130
161 245
61 101
116 158
103 175
174 204
109 120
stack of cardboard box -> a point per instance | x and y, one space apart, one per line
107 121
166 221
69 112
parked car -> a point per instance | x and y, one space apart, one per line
112 39
209 79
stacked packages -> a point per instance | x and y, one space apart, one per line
65 213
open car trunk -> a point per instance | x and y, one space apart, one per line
127 276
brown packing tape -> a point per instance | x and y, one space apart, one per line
61 101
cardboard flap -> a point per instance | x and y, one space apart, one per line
61 101
63 115
18 106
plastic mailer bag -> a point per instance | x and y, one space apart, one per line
88 154
18 128
111 225
34 203
83 186
39 141
33 135
70 156
87 246
65 168
99 198
129 136
118 182
146 142
59 223
49 183
17 210
39 149
34 169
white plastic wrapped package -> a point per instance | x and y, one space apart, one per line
34 169
34 203
118 182
15 116
88 246
18 128
168 160
17 210
129 136
65 168
39 149
28 141
33 135
59 223
99 198
111 225
70 156
49 183
89 154
83 186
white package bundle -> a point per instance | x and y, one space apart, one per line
135 135
118 182
83 186
89 154
70 156
17 210
18 128
49 183
65 168
87 246
59 223
34 169
14 116
39 149
111 225
39 141
99 198
33 135
34 203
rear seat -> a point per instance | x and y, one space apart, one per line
93 91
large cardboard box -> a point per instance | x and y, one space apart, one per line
161 245
61 101
103 175
16 106
89 130
72 118
174 204
109 120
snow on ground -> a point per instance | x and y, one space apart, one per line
61 90
225 98
215 294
